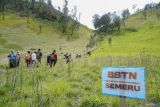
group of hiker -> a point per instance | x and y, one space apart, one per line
33 58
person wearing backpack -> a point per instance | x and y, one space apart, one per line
48 59
18 58
28 58
39 55
53 58
12 59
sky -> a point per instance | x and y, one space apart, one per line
88 8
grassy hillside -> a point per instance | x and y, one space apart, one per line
140 35
74 85
77 84
16 33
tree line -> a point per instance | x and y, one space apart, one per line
43 9
111 22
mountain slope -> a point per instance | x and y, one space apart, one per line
16 33
140 35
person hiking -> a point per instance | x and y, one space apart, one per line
67 57
110 40
53 58
39 55
28 58
18 58
48 59
34 58
12 59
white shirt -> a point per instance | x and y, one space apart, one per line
34 57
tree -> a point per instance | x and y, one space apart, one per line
49 3
105 22
96 19
28 10
64 17
15 3
134 7
110 40
158 13
33 3
125 14
145 14
117 21
102 24
74 23
2 6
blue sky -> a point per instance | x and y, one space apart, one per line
88 8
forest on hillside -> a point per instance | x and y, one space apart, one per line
43 9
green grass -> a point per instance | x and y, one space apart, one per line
81 89
146 36
138 46
15 30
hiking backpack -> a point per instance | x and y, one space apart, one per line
53 56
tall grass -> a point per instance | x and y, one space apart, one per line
77 84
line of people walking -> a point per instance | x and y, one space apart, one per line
32 58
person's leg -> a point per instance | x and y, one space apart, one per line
55 62
18 63
40 60
48 61
10 64
51 63
27 62
34 63
15 63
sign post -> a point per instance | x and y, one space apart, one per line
122 101
125 82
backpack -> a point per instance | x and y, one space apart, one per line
27 57
53 56
18 57
12 57
39 55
